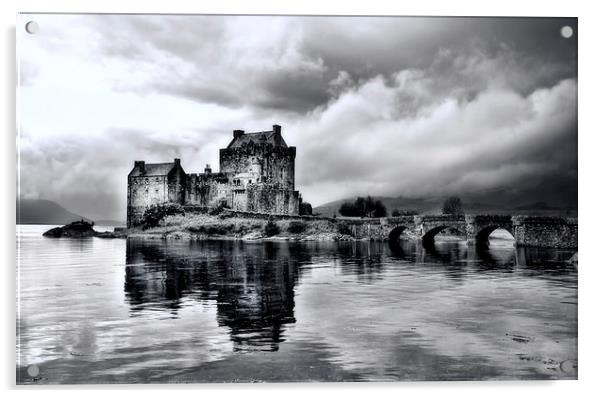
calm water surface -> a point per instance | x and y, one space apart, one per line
136 311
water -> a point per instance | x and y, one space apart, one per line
136 311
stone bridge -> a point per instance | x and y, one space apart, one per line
532 231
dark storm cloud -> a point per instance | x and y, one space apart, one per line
382 106
287 63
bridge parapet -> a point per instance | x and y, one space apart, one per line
430 225
441 218
519 220
536 231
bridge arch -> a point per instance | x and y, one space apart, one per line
429 237
482 236
396 233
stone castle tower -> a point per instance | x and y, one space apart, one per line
257 174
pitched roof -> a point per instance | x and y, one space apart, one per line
153 169
261 137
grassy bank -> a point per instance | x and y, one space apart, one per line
204 226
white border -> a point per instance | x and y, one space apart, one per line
589 152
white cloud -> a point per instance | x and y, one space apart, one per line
375 106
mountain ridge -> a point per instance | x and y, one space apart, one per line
43 211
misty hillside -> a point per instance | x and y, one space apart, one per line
503 201
110 223
41 211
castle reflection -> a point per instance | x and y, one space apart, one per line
252 285
253 288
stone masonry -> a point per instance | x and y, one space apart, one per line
257 174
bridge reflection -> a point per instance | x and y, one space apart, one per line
484 257
252 285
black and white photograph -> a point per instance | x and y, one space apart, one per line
295 198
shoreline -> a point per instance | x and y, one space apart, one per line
228 227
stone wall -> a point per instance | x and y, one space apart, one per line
429 226
479 227
545 232
239 200
176 185
275 217
208 189
262 199
146 190
528 231
143 192
379 228
277 163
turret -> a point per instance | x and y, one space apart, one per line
277 129
140 164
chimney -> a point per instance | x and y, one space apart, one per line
176 161
238 133
139 164
207 169
277 129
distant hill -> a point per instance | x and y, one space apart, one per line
41 211
110 223
554 195
497 201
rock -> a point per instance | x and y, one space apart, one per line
79 229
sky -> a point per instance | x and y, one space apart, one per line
382 106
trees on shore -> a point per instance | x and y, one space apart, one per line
363 207
452 206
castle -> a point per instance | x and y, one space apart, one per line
256 174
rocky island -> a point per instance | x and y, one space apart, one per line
79 229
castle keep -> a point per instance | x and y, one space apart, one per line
256 174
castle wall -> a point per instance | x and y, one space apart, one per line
145 191
239 200
176 186
277 163
272 200
207 190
